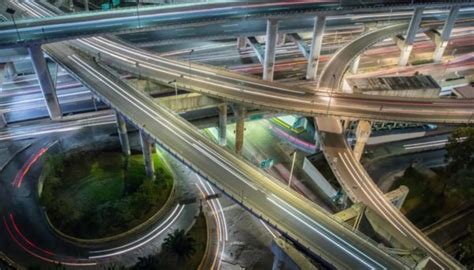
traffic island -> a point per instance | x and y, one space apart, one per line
180 250
98 195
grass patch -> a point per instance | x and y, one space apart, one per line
100 194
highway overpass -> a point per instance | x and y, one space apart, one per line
346 166
303 221
120 21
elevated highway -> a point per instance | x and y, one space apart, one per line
254 92
347 168
302 221
58 28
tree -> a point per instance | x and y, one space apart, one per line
180 244
460 149
148 263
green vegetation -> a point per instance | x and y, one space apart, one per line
94 195
180 250
433 195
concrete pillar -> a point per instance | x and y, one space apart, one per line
86 5
363 131
410 37
123 135
45 81
147 149
241 43
355 65
281 39
222 124
445 34
315 51
2 76
271 39
3 121
240 112
10 70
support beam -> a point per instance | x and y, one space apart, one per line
300 43
364 128
270 46
316 43
241 43
147 150
222 128
257 48
240 112
445 34
410 37
122 132
45 81
86 5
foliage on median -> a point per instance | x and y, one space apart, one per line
180 250
99 194
441 191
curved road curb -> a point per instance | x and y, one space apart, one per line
90 242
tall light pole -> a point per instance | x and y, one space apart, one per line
331 93
189 59
12 13
291 170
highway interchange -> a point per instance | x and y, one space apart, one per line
246 184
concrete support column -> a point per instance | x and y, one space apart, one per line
45 81
363 131
86 5
241 113
445 34
241 43
355 65
270 46
281 39
123 135
3 121
315 51
410 37
222 124
10 70
147 149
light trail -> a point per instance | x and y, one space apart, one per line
143 240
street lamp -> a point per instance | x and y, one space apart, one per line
331 93
291 170
12 13
189 59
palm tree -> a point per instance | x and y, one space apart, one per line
147 263
180 244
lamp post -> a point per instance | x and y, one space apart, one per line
12 13
189 59
291 170
331 93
